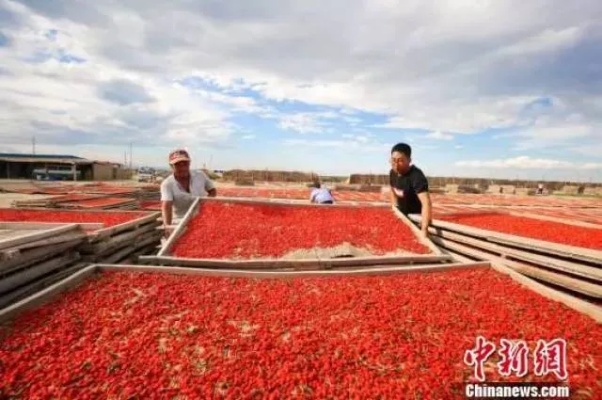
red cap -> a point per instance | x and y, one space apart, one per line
178 155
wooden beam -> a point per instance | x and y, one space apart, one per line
298 263
175 235
293 202
417 232
293 274
45 225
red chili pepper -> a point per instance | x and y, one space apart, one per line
227 230
109 218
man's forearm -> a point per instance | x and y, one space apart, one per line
393 199
426 215
167 215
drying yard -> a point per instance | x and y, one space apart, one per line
259 294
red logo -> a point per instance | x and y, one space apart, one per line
548 357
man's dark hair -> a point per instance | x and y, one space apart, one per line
403 149
316 185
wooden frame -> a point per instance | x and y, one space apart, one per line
181 227
133 224
74 280
573 284
296 264
296 202
164 256
578 253
104 232
585 271
48 225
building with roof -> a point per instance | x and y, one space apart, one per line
58 167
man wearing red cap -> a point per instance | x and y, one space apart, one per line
179 190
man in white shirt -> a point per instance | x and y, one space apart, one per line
179 190
321 195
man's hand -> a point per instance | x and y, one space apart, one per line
168 230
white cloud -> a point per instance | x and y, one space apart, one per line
438 135
546 41
556 131
425 65
356 144
248 137
524 162
458 146
308 122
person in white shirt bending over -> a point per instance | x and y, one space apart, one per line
179 190
321 195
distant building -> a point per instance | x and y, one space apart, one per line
58 167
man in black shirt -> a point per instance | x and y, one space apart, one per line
409 186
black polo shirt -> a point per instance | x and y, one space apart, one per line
407 187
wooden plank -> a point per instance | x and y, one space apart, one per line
128 250
298 263
589 289
567 282
33 287
67 237
47 225
45 295
37 235
27 258
115 241
572 302
293 202
505 252
175 235
292 274
74 280
20 278
417 232
112 230
588 255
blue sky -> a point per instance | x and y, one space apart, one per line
499 89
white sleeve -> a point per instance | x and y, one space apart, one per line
209 185
166 192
